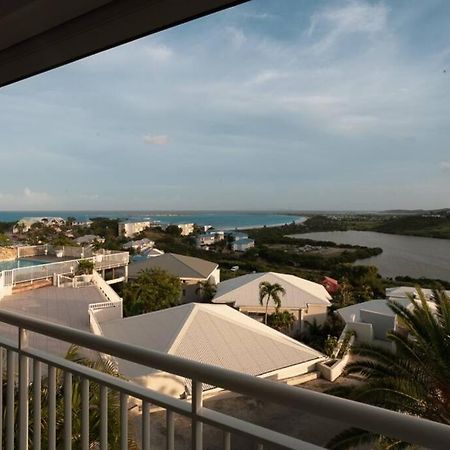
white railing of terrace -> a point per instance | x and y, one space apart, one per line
411 429
110 309
47 271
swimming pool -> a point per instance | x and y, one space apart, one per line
21 262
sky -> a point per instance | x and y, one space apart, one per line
277 105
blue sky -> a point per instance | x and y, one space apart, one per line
273 104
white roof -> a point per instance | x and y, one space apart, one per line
404 291
211 334
352 313
244 290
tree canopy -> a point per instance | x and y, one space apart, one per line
152 290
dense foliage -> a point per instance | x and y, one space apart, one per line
415 379
152 290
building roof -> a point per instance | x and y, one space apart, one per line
178 265
210 334
244 290
405 291
87 239
352 313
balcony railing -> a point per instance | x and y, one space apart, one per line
48 270
407 428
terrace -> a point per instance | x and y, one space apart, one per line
37 36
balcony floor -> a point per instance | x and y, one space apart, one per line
65 306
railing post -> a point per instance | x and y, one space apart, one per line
145 425
67 411
1 394
170 430
23 391
103 417
84 414
123 421
197 404
36 405
51 408
10 374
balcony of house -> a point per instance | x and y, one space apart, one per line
55 402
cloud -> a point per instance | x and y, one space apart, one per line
237 36
158 52
445 165
157 139
335 22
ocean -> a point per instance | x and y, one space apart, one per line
223 220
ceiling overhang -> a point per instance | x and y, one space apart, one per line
39 35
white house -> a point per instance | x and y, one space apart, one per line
372 320
209 238
139 245
303 298
242 245
24 224
129 229
210 334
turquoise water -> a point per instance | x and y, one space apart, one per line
17 263
225 220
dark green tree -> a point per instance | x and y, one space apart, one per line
152 290
281 321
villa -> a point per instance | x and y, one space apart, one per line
209 238
308 301
130 229
216 335
24 224
191 271
242 245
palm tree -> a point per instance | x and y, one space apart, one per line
267 292
415 379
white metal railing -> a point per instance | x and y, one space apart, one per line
48 270
411 429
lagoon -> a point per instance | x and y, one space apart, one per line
402 255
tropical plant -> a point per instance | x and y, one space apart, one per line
206 290
267 292
85 267
281 320
414 379
102 365
152 290
330 345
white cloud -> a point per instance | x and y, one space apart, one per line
445 165
157 139
237 36
332 23
158 52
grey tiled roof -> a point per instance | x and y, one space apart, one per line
178 265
